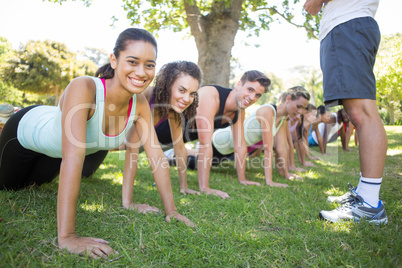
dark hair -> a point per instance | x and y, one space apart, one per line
321 110
300 127
258 76
164 81
340 115
294 93
130 34
311 107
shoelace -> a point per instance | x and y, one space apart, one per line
353 200
352 193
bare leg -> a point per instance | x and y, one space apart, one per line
371 133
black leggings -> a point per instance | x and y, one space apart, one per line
20 167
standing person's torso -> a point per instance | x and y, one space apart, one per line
336 12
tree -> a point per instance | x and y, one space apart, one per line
312 81
8 94
388 71
214 25
97 55
44 67
275 89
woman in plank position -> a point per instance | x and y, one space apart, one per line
94 115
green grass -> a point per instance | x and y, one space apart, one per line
256 227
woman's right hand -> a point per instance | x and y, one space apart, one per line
308 164
94 247
221 194
142 208
277 184
188 191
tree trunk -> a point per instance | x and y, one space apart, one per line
391 111
214 36
312 94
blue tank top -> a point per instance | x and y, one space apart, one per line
40 129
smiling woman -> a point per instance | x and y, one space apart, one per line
93 116
260 129
173 99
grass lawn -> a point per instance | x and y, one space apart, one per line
256 227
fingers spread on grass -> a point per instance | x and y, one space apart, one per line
189 191
180 218
144 208
246 182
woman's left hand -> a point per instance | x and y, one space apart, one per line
188 191
247 182
294 176
179 217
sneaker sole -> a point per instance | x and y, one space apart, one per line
375 221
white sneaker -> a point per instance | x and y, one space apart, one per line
343 198
356 210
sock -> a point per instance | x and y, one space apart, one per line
369 189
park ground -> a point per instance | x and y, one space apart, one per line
255 227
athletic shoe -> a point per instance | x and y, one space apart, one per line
356 210
343 198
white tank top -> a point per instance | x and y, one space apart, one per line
40 128
222 139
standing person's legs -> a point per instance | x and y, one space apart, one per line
348 55
373 139
373 147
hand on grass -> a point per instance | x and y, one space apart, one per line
94 247
247 182
308 164
142 208
188 191
294 176
179 217
221 194
313 157
277 184
297 169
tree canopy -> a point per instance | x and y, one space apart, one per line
214 24
44 67
388 71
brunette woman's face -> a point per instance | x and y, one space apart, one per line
183 92
135 67
296 107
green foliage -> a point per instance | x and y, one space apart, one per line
256 15
275 90
8 94
312 81
388 71
214 24
44 67
255 227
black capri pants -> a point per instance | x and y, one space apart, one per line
21 167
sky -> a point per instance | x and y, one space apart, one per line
280 49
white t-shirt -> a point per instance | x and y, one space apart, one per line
336 12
